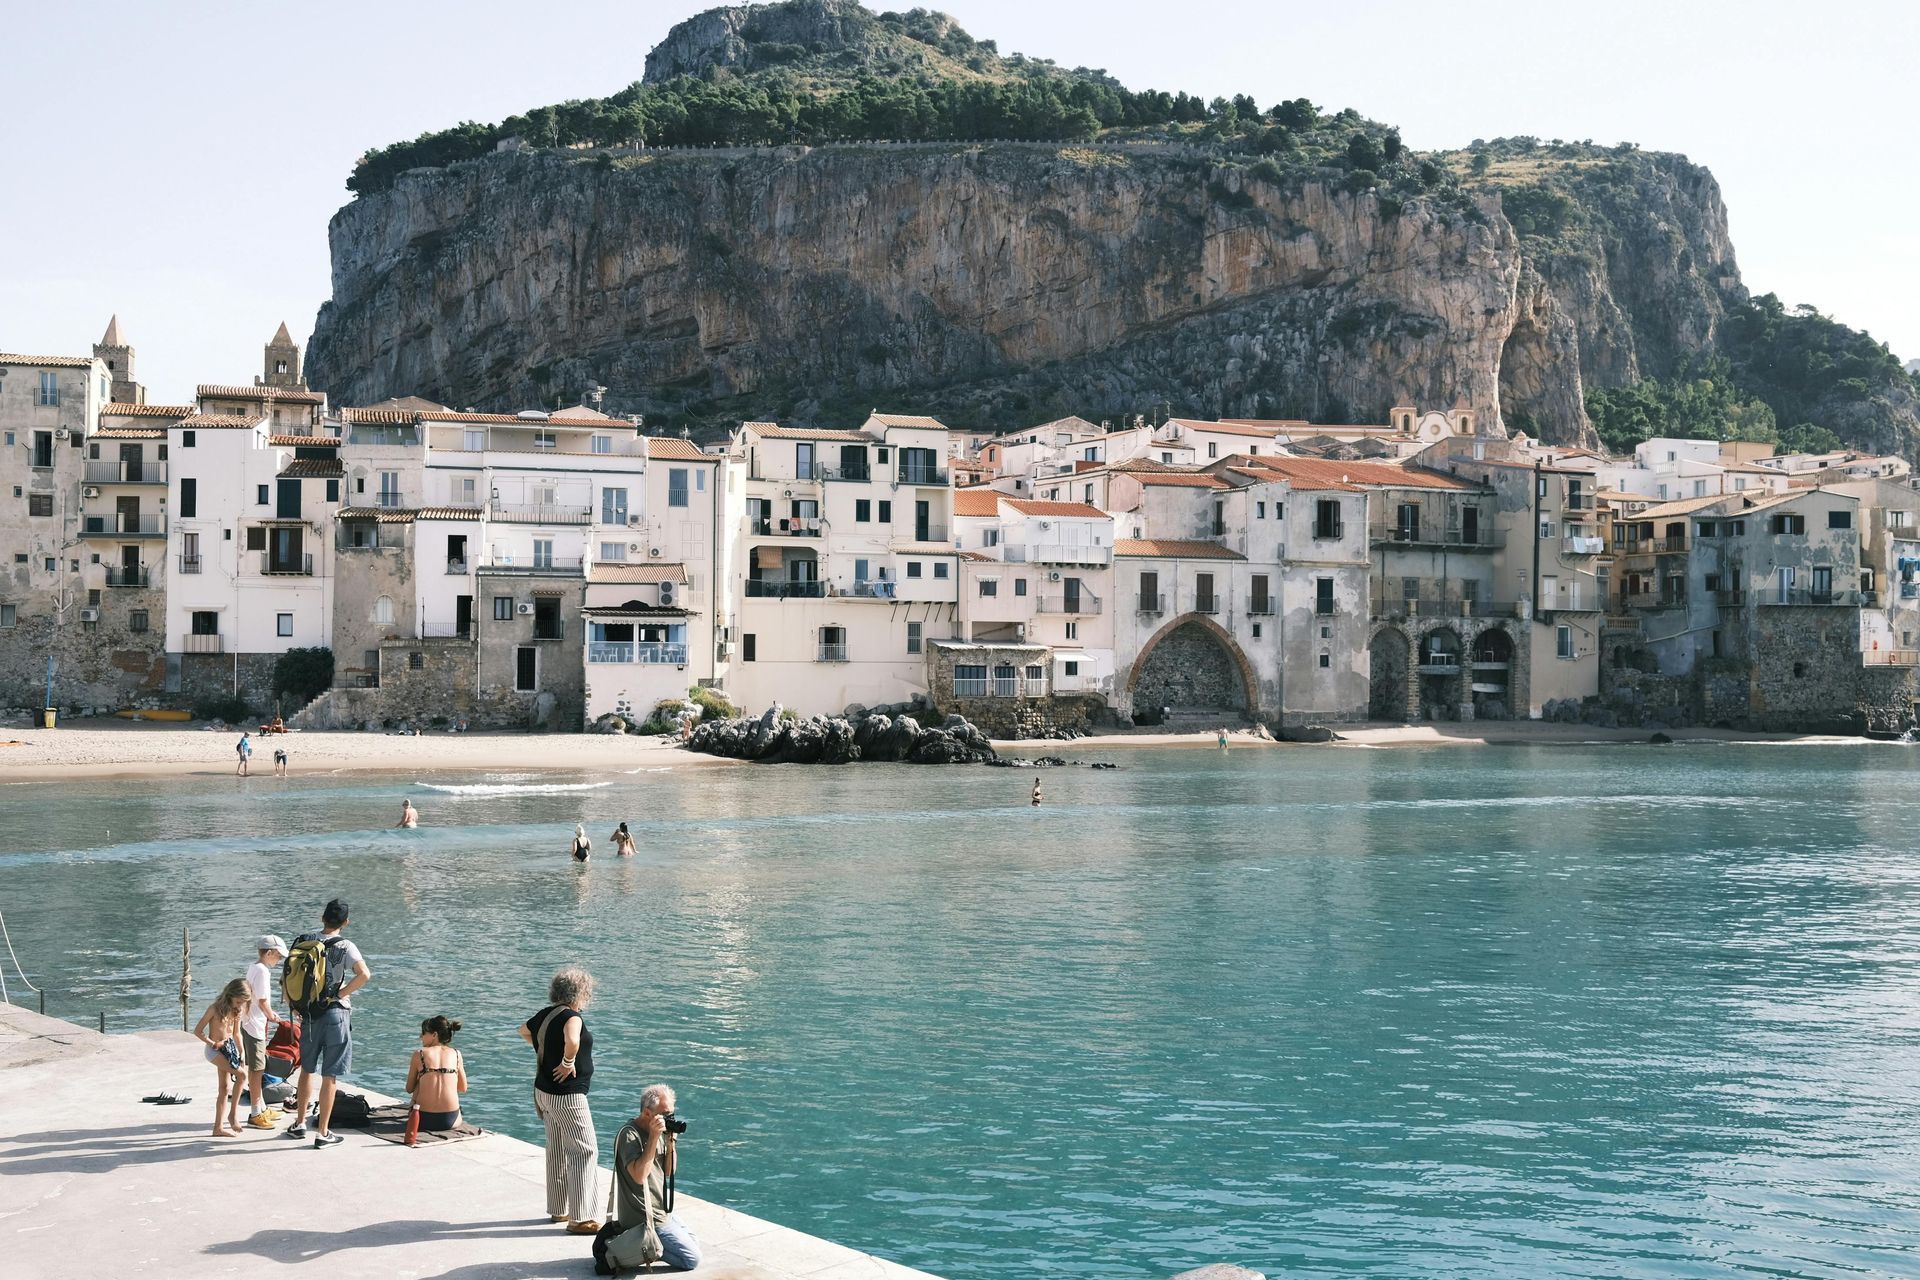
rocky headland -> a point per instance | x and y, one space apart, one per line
875 736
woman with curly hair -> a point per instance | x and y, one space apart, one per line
563 1072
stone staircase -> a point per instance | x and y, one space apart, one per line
1202 720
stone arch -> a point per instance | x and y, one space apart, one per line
1389 663
1442 690
1490 677
1160 671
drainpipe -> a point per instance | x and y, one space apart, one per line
1538 477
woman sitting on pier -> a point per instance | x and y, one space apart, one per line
219 1030
437 1075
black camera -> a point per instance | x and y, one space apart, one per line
675 1124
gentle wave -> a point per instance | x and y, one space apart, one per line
510 788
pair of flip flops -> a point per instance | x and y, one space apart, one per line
166 1099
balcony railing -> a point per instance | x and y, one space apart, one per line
788 527
549 629
910 474
970 686
1152 604
769 589
1206 604
286 567
121 576
870 589
538 512
1486 539
201 644
926 533
1578 502
189 564
1428 605
833 653
560 566
456 568
1086 603
1325 532
127 526
1059 553
1890 658
1804 596
1082 684
115 471
844 473
1582 545
389 499
643 652
1261 607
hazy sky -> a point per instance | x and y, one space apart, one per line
177 163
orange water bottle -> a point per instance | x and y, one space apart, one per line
413 1125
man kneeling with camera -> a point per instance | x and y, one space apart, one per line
642 1228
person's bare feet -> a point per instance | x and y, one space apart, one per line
226 1133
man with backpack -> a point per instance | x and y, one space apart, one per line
320 976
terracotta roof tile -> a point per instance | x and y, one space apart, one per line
772 432
978 501
380 515
925 548
672 447
615 571
1174 549
313 469
146 410
449 513
56 362
1181 479
907 420
632 611
1307 473
305 442
385 417
221 391
496 419
1261 431
1077 510
129 433
219 422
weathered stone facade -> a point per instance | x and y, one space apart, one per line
1194 665
1488 652
435 681
1015 715
1808 676
213 677
104 665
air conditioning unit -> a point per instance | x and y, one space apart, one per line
666 593
1054 576
61 433
653 553
1046 524
89 615
90 491
1019 631
728 634
633 547
633 522
525 610
726 649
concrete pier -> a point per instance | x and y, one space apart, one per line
95 1182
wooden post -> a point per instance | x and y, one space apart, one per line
186 975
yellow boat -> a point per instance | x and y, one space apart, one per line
131 714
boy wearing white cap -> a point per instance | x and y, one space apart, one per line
256 1027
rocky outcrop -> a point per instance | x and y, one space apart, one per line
871 736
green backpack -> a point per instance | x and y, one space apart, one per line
309 980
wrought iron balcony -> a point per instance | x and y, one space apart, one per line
286 566
780 589
1086 603
124 471
121 576
642 652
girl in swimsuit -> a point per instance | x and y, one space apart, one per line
437 1076
219 1033
622 842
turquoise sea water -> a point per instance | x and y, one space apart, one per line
1503 1012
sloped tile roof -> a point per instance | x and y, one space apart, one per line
615 571
1181 479
305 442
449 513
978 501
383 417
925 549
1327 473
772 432
1078 510
118 410
57 362
1174 549
219 422
907 420
221 391
129 433
673 447
380 515
1260 431
313 469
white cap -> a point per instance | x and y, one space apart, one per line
271 942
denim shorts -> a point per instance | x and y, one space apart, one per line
326 1043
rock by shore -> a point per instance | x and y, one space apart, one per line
867 735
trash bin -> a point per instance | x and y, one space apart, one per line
50 717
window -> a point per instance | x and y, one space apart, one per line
1736 528
1256 631
970 680
1563 641
613 551
1713 582
186 439
1839 519
205 622
1071 668
990 538
256 538
543 553
383 610
1899 519
544 440
603 444
1036 673
863 510
1540 483
39 504
1326 661
502 608
1213 448
613 506
699 482
833 644
1323 597
136 620
333 491
913 637
1699 488
283 624
261 496
9 615
1786 524
389 488
1204 601
1150 593
885 514
1262 602
1259 511
940 568
49 388
1326 518
1546 530
1073 631
1019 586
913 568
1709 529
803 461
989 586
1086 494
526 669
50 564
473 441
677 487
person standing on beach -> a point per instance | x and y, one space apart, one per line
562 1074
1223 739
279 762
217 1030
256 1027
326 1030
409 816
243 749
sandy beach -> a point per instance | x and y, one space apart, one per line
113 749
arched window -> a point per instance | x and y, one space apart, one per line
383 609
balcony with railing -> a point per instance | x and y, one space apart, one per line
1583 545
1151 604
189 564
1260 607
923 533
391 499
1086 604
781 589
1579 501
787 527
870 589
549 628
286 566
538 512
456 568
121 576
1058 553
119 525
124 471
832 653
1890 658
556 566
1807 596
201 644
1206 604
638 651
1486 538
1085 682
1442 605
859 475
911 473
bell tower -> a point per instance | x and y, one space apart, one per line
282 367
118 356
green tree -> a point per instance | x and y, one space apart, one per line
303 674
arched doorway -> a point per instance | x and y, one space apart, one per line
1492 675
1440 667
1195 671
1387 662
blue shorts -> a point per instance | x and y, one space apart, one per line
326 1043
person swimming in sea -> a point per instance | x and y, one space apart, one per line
409 816
1036 793
582 847
623 842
